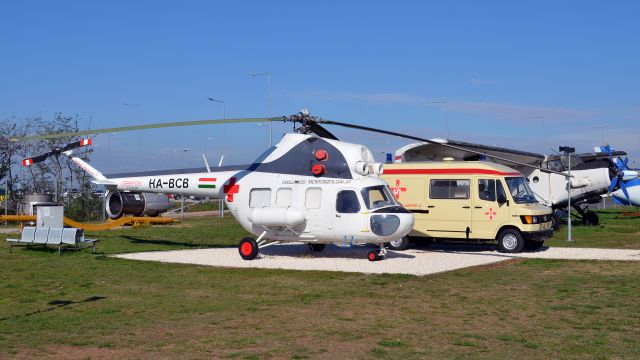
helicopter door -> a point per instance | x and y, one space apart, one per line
348 222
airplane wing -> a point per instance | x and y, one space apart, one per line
600 155
434 152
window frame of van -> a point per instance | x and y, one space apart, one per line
450 198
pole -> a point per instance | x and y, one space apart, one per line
270 122
181 206
6 198
569 202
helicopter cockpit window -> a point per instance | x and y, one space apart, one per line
347 202
377 196
259 198
313 198
283 197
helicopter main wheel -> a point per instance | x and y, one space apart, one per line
248 248
317 247
590 219
399 244
373 255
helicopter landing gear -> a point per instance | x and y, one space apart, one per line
375 255
248 248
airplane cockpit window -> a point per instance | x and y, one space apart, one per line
575 160
377 196
555 165
347 202
520 190
259 198
487 189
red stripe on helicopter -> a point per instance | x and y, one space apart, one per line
448 172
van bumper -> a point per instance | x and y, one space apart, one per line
541 235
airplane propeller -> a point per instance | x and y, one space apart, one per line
55 152
618 174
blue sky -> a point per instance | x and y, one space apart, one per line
502 67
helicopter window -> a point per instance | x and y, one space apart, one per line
283 197
259 198
487 189
313 198
376 197
347 202
449 189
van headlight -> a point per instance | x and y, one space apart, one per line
534 219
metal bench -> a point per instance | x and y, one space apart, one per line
70 238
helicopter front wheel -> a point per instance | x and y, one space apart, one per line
248 248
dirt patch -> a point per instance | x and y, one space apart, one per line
77 352
495 266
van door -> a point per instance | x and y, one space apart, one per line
488 214
349 221
449 205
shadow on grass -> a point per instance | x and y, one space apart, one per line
56 304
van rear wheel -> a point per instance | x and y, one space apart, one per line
400 244
510 241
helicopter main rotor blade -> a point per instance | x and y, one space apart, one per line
147 126
416 138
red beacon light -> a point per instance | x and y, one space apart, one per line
318 169
321 155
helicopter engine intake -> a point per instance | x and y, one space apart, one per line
134 203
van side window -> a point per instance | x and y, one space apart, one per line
449 189
487 189
500 190
259 198
313 198
347 202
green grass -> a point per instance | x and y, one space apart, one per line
83 305
614 231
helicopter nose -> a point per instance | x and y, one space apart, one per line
394 225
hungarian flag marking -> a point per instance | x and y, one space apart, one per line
207 183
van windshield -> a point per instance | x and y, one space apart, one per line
520 190
377 196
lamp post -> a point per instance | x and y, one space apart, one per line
268 75
139 134
182 157
224 117
568 151
446 113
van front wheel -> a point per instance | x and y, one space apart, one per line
510 241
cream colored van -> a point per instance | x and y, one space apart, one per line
469 200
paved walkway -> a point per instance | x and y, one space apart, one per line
414 261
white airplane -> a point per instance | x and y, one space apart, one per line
307 188
592 173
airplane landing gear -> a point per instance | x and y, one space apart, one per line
589 218
375 255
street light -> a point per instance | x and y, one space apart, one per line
182 157
568 151
268 75
139 134
224 117
446 112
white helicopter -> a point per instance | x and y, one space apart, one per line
593 174
311 189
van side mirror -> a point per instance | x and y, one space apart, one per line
502 199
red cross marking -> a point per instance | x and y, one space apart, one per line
397 190
491 213
230 189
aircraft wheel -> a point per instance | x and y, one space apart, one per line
317 247
248 248
373 255
556 221
590 219
510 241
399 244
